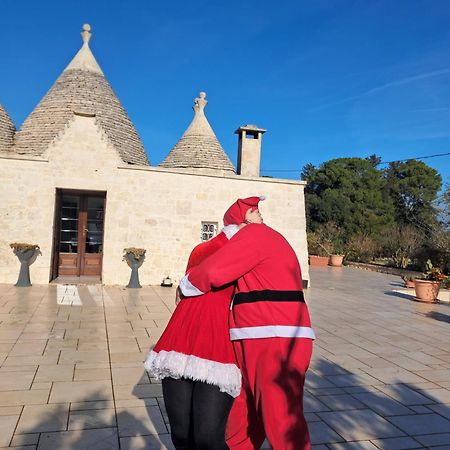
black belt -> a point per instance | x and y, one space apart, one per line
268 296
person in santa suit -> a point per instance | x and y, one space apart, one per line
270 328
194 359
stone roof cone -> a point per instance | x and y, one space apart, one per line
7 131
81 89
199 146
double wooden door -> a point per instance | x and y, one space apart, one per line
79 234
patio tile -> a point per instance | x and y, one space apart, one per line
124 392
10 410
341 402
140 421
24 439
28 348
382 404
31 397
91 374
405 395
93 418
394 375
353 380
435 375
70 356
84 406
20 380
133 375
421 423
360 445
360 425
32 360
78 391
402 443
135 402
443 410
321 433
432 440
99 439
41 418
7 426
55 372
160 442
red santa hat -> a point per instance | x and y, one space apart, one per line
236 212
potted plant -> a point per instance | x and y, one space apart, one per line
338 252
409 281
427 287
318 249
135 258
27 254
446 283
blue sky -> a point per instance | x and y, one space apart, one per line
327 79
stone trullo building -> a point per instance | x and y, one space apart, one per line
77 181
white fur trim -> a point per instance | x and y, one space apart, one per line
262 197
230 230
227 377
268 331
188 289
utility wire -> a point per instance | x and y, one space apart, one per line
387 162
418 157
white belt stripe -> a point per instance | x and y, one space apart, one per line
271 331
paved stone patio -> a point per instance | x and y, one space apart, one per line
71 374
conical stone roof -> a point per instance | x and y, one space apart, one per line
199 146
81 89
7 130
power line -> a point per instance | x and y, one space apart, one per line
418 157
382 162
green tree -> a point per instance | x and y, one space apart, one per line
349 192
413 187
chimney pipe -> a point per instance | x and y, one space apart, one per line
249 150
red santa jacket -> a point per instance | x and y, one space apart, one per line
269 300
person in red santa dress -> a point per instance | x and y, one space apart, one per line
269 326
195 360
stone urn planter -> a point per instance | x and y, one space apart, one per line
318 261
427 290
26 254
134 257
336 260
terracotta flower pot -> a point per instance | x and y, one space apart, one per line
318 261
426 290
336 260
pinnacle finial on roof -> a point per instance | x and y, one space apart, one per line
200 102
86 33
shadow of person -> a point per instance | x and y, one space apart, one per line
61 428
150 420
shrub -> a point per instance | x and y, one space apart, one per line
361 248
401 244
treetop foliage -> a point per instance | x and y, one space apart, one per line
367 203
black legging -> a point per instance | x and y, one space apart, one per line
198 414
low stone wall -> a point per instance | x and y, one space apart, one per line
383 269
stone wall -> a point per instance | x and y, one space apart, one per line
155 208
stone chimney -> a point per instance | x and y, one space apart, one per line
249 150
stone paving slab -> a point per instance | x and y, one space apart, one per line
71 374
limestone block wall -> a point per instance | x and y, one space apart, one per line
155 208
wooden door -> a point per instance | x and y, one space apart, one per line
80 247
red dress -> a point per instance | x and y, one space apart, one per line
196 342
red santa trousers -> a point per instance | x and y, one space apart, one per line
271 399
